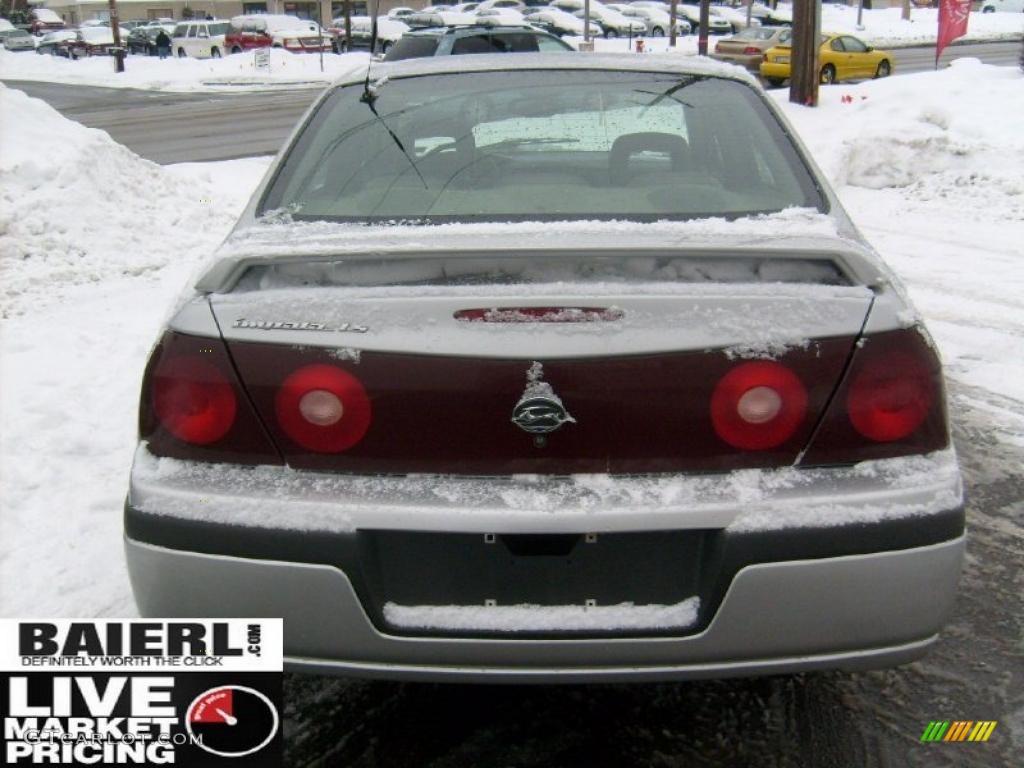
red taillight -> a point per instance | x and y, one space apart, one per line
194 407
889 404
193 400
751 50
323 408
758 405
718 47
890 397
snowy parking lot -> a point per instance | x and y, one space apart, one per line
882 28
96 243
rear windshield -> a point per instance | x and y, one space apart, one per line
760 33
504 146
412 47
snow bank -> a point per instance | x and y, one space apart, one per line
94 243
76 207
952 133
235 72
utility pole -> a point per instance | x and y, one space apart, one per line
804 74
348 25
115 27
587 44
673 13
905 15
702 40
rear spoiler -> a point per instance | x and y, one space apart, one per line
858 265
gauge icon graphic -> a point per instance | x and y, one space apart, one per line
232 720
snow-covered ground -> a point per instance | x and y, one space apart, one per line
237 72
881 28
95 243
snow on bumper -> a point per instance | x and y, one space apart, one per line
741 501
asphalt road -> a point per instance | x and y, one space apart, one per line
175 128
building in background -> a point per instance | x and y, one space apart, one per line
77 11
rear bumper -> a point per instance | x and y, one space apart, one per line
774 70
750 62
852 612
852 567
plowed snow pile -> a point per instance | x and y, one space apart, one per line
76 207
950 136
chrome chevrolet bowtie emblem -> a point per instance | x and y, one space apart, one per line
539 411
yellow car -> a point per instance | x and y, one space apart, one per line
841 57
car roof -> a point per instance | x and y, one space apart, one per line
473 29
611 62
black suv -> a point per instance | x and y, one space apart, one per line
483 38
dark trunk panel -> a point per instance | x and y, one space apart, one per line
453 415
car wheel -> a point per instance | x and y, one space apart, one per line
884 68
828 74
181 53
658 32
611 33
215 53
988 9
236 49
775 82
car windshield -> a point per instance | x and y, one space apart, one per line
503 146
756 33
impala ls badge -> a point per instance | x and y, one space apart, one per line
539 411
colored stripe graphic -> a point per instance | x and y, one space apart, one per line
982 731
958 730
935 730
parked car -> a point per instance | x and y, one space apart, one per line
514 5
612 23
389 31
747 47
482 38
560 23
397 13
57 43
736 17
841 57
45 20
277 31
425 19
17 40
503 16
200 39
92 41
143 39
717 25
577 440
657 20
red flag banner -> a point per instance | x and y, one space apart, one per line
953 15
